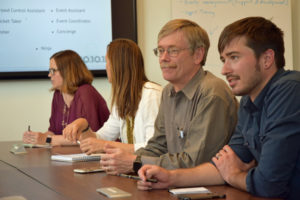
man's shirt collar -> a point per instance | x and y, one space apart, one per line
191 87
259 100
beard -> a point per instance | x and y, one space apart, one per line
251 84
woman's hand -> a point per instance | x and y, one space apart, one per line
72 131
92 145
30 137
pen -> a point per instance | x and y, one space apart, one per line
181 134
137 178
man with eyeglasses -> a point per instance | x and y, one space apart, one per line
263 155
198 112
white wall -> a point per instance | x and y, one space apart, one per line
28 102
296 33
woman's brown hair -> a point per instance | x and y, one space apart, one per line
72 69
127 76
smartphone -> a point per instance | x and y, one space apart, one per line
88 170
210 195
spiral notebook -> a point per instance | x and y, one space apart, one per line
81 157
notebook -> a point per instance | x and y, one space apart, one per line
76 157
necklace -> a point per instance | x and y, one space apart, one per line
65 118
68 98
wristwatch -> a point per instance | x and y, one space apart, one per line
86 129
48 139
137 164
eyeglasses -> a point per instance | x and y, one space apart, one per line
172 51
52 71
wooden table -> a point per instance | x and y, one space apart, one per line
34 176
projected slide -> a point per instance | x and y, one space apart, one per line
32 30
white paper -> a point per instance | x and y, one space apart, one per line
193 190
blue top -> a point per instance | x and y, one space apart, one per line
268 131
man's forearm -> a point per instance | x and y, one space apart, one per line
60 140
238 181
204 174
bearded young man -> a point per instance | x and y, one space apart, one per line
263 155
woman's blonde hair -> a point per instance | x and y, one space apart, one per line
72 69
127 76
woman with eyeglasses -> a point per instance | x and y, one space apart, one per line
74 97
135 103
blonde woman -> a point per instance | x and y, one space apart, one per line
135 103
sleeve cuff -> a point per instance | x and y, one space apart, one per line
149 160
249 182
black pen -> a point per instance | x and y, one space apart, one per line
137 178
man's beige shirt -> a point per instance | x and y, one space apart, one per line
193 124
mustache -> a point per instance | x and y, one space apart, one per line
232 76
166 65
